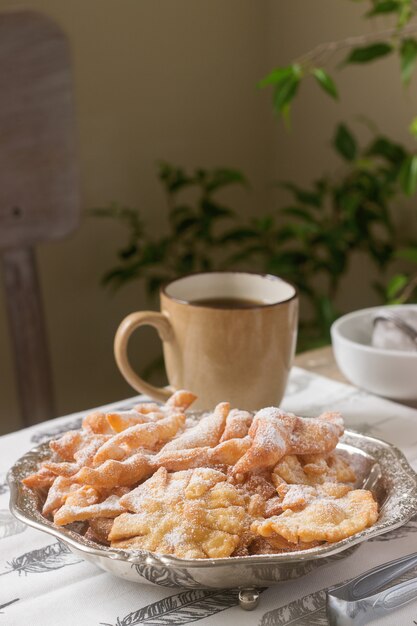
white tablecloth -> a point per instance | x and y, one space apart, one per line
43 584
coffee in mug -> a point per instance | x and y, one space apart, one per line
227 336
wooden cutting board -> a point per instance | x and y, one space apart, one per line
39 191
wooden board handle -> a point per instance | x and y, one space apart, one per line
28 334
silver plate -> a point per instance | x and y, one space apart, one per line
379 465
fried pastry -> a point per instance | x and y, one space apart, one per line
62 469
149 412
315 435
98 530
57 494
225 453
237 425
124 419
324 518
110 507
313 470
229 452
97 423
227 485
261 492
273 506
296 497
83 457
270 441
147 407
261 484
206 433
340 469
177 460
115 473
41 479
82 496
179 401
190 514
142 435
276 434
277 544
67 445
290 470
314 464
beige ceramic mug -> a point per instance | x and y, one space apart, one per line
226 336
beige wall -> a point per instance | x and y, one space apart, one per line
153 79
175 79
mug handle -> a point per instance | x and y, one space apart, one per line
142 318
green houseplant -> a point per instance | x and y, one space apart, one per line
399 39
310 240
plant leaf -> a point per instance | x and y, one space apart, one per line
286 89
119 276
325 82
405 13
408 57
386 6
302 214
396 285
383 147
222 177
345 143
153 284
276 76
214 211
368 53
238 235
310 198
413 127
174 178
410 254
184 224
285 93
408 175
265 223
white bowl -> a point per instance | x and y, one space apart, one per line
388 373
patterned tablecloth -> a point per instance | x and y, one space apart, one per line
43 584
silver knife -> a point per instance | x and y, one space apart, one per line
359 601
